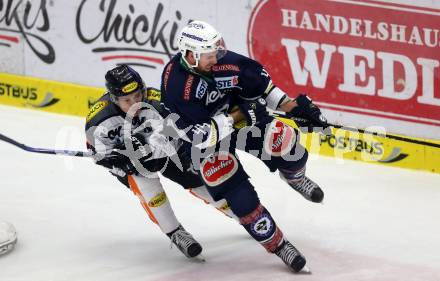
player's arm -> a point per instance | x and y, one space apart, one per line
107 151
203 131
258 82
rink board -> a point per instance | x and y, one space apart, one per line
71 99
45 95
410 153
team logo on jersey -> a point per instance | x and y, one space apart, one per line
263 226
201 89
96 108
130 87
115 133
217 169
213 96
158 200
280 138
227 82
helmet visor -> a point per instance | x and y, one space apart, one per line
219 50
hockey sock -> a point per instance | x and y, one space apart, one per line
261 226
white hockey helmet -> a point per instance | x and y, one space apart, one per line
200 38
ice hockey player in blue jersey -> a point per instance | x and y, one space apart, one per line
211 89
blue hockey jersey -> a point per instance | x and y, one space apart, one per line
202 100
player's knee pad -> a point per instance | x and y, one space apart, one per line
282 146
219 168
262 227
222 172
221 205
242 198
279 139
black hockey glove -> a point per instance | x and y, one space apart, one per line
118 164
142 152
254 111
119 161
306 109
185 159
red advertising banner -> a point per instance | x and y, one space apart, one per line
366 57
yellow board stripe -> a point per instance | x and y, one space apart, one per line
46 95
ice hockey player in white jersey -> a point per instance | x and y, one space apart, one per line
123 130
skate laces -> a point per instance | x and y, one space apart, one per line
306 186
287 253
182 239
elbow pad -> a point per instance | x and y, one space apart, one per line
221 126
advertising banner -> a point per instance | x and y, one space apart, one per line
363 62
362 57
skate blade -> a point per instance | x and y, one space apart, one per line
305 271
198 258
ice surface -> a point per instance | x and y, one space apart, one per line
76 222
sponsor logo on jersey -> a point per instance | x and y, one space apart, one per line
115 133
188 86
227 82
217 169
167 75
201 89
213 96
158 200
96 108
280 139
130 87
225 67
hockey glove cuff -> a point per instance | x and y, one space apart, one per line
308 110
254 111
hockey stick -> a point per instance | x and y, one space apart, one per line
89 153
77 153
390 136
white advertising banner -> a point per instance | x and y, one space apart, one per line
365 63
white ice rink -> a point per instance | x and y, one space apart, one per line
76 222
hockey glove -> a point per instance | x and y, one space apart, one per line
119 161
118 164
254 111
308 110
148 154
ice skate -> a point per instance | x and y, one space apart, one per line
292 257
186 243
309 190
